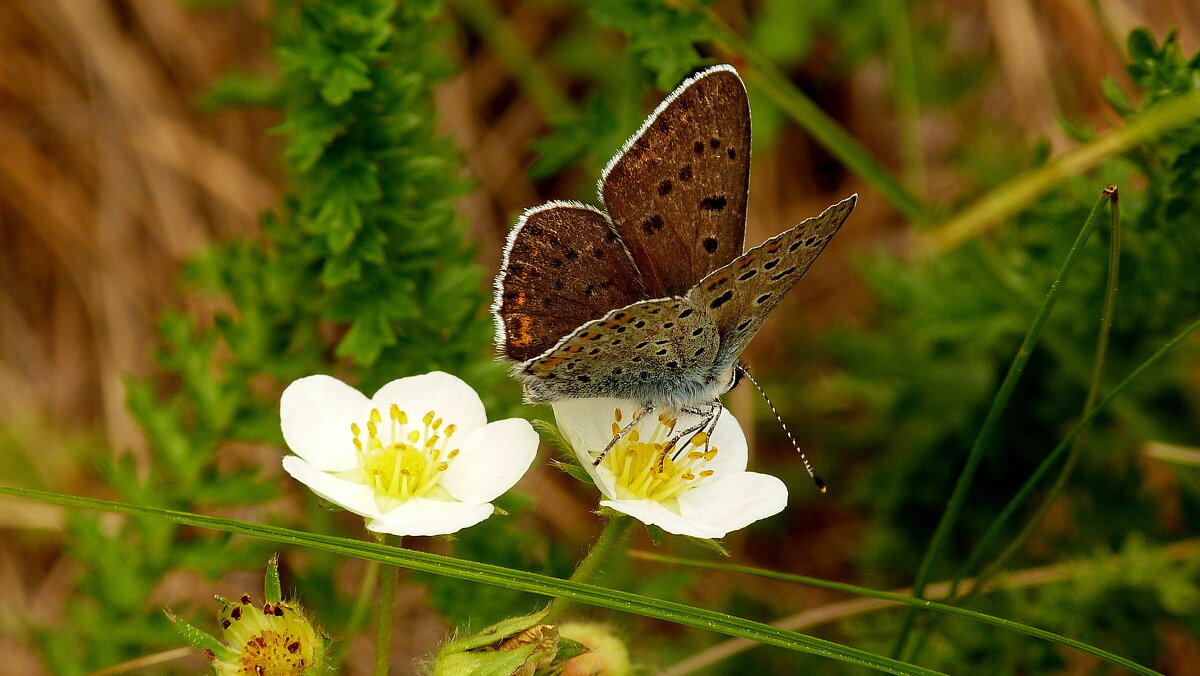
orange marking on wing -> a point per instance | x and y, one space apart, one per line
522 335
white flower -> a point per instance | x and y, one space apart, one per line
418 458
701 488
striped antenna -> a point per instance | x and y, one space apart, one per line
803 458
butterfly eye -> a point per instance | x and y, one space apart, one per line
739 372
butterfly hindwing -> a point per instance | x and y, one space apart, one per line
640 351
739 296
677 191
564 266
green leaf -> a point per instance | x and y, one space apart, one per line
340 220
1141 45
1112 92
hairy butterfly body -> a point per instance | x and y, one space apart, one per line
652 299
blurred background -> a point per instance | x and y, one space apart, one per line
128 152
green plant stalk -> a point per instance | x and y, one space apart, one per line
905 95
358 614
612 539
767 77
1093 393
489 23
906 600
1018 193
1110 300
1062 447
385 611
508 578
987 432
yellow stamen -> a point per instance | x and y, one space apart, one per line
650 465
399 463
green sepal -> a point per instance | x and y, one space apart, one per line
272 589
711 545
497 632
200 640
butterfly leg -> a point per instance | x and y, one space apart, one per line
637 418
708 423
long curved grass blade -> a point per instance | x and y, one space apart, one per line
508 578
909 601
987 431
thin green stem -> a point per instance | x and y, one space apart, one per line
769 80
1110 299
385 611
991 423
1015 195
358 614
487 21
612 539
1043 469
905 93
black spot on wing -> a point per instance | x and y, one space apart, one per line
721 299
715 203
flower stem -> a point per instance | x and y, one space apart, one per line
611 540
385 611
358 614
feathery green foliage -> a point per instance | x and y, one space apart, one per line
365 260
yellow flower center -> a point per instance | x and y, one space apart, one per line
649 469
403 461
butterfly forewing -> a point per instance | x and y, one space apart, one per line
564 265
739 296
648 350
677 191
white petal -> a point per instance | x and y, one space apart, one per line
356 497
315 414
421 516
730 442
447 396
587 423
652 512
733 501
491 460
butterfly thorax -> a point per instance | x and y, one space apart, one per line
697 387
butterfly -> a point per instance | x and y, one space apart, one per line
652 298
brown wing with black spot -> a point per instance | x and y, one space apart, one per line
564 265
653 350
740 295
677 192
